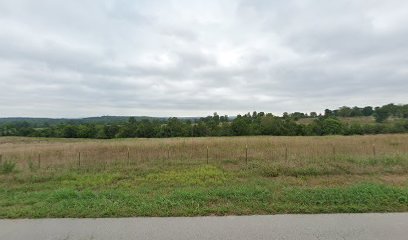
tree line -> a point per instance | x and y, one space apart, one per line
328 123
379 113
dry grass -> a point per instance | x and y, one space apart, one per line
286 152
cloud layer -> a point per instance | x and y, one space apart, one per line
190 58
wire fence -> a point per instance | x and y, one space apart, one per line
101 154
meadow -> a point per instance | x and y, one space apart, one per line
44 177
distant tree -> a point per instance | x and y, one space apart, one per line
381 114
86 131
111 131
23 124
404 111
255 123
328 112
175 126
145 129
240 127
25 131
391 109
216 118
200 129
132 120
224 118
344 112
297 115
101 134
355 128
356 112
367 111
69 131
271 125
331 126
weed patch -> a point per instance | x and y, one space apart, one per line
358 198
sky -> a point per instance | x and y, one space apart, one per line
82 58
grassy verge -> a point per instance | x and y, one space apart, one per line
228 188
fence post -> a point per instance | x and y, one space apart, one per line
207 154
79 159
39 160
128 155
286 153
246 154
1 158
374 152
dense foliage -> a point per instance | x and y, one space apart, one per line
243 125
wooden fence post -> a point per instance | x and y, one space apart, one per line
286 153
39 160
79 159
1 158
246 154
128 155
374 152
207 154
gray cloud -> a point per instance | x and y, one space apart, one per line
188 58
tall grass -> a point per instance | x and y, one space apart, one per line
282 153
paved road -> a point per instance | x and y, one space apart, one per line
332 226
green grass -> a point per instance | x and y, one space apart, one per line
348 185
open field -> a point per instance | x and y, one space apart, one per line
203 176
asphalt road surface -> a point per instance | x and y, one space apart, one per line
323 226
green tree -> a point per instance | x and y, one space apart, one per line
331 126
240 126
367 111
356 112
86 131
328 113
344 111
381 114
69 131
271 125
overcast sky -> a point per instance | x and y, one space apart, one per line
77 58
